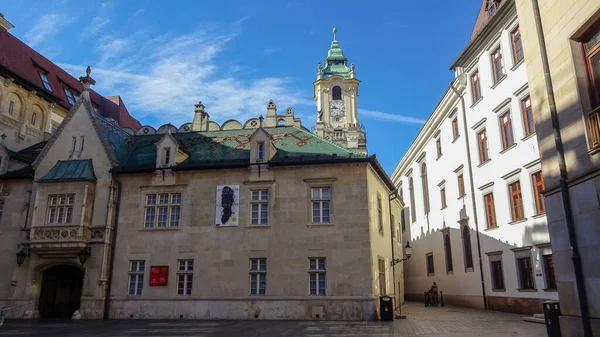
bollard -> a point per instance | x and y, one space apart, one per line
425 302
442 298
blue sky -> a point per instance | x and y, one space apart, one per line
162 57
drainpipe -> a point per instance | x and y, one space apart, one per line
117 203
393 195
564 188
464 115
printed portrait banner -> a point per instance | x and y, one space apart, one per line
159 275
228 204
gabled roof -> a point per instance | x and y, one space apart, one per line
21 62
28 155
71 170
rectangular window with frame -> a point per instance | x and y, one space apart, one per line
60 208
438 145
591 47
443 196
516 201
45 82
258 276
455 132
538 187
475 87
70 97
11 107
260 207
517 46
549 275
261 152
321 204
167 157
430 267
162 210
497 67
185 277
382 281
461 185
490 210
379 213
525 273
317 273
497 275
507 130
33 118
484 153
136 277
528 118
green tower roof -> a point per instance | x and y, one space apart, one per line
335 62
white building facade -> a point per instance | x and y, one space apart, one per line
472 181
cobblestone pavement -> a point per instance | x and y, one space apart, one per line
421 321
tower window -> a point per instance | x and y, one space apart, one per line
336 93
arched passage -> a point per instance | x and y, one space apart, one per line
60 293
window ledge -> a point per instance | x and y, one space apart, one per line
491 228
469 270
537 216
528 136
317 225
499 290
594 150
455 139
443 208
518 64
430 274
485 162
527 290
462 196
150 229
440 156
551 290
517 221
509 148
499 81
258 226
476 102
450 272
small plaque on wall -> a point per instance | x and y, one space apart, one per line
159 275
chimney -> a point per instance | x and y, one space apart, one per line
4 24
201 117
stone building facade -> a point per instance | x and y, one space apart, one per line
472 181
570 37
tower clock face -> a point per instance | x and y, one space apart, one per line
337 108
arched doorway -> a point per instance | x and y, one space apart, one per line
60 293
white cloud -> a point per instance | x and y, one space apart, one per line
95 26
390 117
47 26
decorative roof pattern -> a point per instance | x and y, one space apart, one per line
112 133
71 170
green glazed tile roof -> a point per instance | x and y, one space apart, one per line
335 62
232 147
71 170
28 155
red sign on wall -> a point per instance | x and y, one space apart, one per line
159 275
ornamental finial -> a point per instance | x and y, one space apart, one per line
334 33
87 80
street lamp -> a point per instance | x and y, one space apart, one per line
21 255
84 254
407 251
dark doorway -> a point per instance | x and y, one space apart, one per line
61 291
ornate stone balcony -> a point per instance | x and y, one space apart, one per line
595 128
58 240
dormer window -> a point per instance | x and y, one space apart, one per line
167 156
336 93
261 152
70 96
44 77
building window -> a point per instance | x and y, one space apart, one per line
411 190
45 81
1 209
260 207
33 118
136 277
525 273
429 261
402 223
455 132
336 93
70 96
516 201
321 204
490 210
538 187
467 247
82 143
60 208
549 272
448 253
497 275
317 273
438 145
484 153
258 276
53 130
528 119
11 107
162 210
167 156
461 185
592 54
443 196
73 144
497 65
379 213
261 152
382 283
475 87
185 277
425 188
507 131
516 45
401 190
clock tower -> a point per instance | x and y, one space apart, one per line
336 92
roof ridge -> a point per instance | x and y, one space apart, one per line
329 142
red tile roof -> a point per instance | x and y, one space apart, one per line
22 62
482 19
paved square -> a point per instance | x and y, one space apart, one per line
421 321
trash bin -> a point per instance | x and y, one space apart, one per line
386 307
551 315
